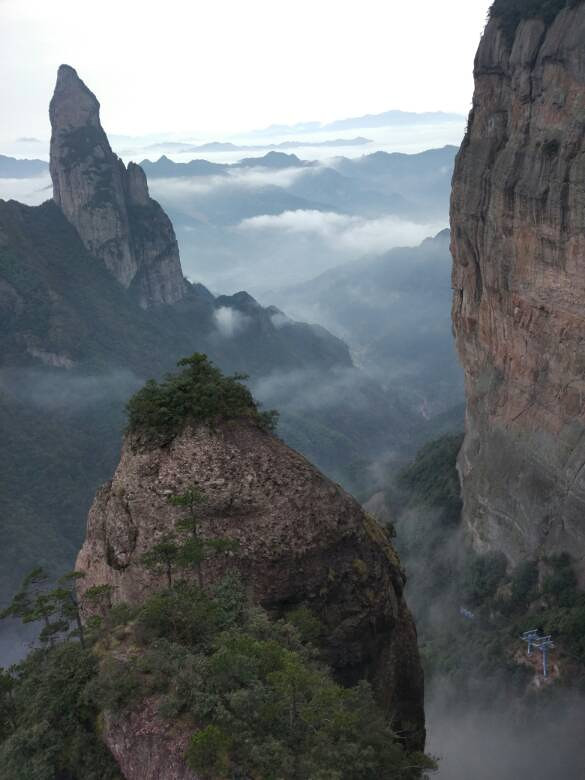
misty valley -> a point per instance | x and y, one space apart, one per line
293 435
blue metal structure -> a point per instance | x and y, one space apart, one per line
533 638
466 613
529 637
544 644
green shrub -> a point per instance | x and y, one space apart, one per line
561 584
51 732
259 702
282 715
200 393
306 622
117 686
523 584
208 752
183 614
432 479
482 576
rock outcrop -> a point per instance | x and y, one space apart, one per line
518 243
302 541
145 746
108 203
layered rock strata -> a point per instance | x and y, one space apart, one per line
108 203
518 244
301 541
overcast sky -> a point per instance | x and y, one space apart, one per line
221 66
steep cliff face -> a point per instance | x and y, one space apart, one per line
518 243
302 541
108 204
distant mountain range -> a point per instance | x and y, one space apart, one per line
385 119
178 147
394 312
13 168
410 186
167 168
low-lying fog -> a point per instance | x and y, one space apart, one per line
33 191
492 744
268 224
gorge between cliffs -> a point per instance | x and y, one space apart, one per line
337 538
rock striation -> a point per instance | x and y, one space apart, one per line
301 541
109 204
518 245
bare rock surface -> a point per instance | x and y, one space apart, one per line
518 244
147 747
302 541
108 203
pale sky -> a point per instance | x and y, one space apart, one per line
221 66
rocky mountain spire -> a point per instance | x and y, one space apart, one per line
108 203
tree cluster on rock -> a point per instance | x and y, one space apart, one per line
198 393
173 552
251 690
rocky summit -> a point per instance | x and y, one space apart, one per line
302 541
518 210
107 203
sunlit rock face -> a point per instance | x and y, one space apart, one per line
108 203
518 244
301 541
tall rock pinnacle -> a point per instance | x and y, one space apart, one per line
108 203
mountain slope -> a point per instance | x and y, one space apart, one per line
423 179
393 311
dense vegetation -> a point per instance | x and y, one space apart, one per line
445 576
258 701
512 12
426 499
431 479
200 393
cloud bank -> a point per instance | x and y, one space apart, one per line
346 234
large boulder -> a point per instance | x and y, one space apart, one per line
302 541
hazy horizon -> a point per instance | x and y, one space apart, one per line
180 81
